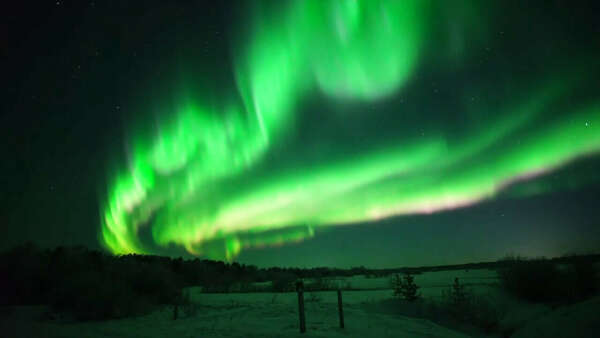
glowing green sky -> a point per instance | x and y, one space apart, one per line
211 178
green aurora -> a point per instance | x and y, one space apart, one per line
196 181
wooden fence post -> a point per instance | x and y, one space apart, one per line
340 308
300 289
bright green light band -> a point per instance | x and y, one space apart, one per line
193 183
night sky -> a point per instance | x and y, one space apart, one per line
303 133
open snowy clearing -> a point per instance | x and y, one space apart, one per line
368 312
234 315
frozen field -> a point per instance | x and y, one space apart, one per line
431 283
368 313
239 315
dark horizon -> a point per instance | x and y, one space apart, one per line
297 251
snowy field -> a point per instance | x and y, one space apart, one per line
368 313
238 315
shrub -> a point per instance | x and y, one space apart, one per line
458 294
155 282
584 279
457 301
188 307
125 287
540 280
405 287
466 307
483 314
92 296
284 282
532 280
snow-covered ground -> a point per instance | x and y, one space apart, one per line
368 313
237 315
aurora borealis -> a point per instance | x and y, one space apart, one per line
263 130
193 181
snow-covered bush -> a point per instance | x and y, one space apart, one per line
405 287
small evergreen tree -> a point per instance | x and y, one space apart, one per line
458 301
467 307
458 294
405 287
